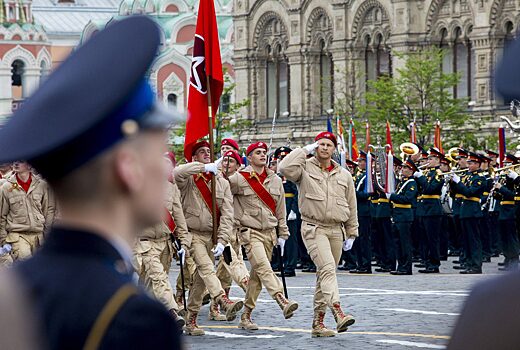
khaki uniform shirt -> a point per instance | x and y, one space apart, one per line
172 203
198 216
31 212
325 197
251 212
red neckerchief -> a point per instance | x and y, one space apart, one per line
262 176
24 185
330 168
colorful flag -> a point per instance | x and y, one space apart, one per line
389 137
390 177
501 145
413 132
354 150
369 183
437 143
206 77
341 141
367 136
329 125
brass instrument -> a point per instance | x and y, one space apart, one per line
453 172
512 166
408 149
452 154
379 171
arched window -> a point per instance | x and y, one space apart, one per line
510 35
277 81
447 62
326 80
17 77
383 62
370 62
172 101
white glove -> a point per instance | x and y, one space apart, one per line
218 161
311 148
347 245
219 249
388 195
211 168
292 216
4 250
281 243
455 178
418 174
182 255
512 174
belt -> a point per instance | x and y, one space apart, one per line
486 193
402 206
374 201
319 223
458 195
289 195
383 200
473 199
517 198
507 203
431 196
420 197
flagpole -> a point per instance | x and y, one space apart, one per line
212 158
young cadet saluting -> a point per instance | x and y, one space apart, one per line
260 209
193 179
329 221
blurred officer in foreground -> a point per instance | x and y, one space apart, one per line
102 156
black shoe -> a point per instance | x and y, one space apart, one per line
495 255
429 271
456 261
420 265
345 268
486 260
383 270
361 271
299 266
287 274
461 267
471 272
501 264
400 273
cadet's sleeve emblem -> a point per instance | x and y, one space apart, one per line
479 183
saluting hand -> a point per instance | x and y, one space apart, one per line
311 148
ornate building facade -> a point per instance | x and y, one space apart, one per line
287 52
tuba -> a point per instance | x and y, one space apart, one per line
408 149
379 171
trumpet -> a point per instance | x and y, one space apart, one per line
453 172
512 166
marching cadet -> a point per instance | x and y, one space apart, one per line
506 219
431 209
364 250
153 253
103 158
470 212
260 210
228 145
27 211
403 200
193 180
235 270
290 256
328 207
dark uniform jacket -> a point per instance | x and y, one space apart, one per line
72 278
457 197
403 200
472 188
506 201
431 188
363 201
291 196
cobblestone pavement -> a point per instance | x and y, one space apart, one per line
392 312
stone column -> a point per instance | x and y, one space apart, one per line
30 81
6 98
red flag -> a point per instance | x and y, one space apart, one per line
437 137
389 137
367 136
206 76
355 149
413 133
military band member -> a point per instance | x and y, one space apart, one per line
27 211
385 239
236 270
194 182
328 206
449 242
403 201
260 209
491 208
431 210
153 253
486 237
472 189
349 258
462 164
364 249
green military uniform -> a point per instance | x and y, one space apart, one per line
507 224
364 252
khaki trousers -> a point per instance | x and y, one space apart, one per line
324 244
205 276
24 244
236 270
152 272
6 260
259 249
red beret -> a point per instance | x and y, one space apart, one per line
254 146
198 145
234 154
230 142
327 135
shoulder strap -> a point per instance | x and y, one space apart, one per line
169 221
260 191
205 192
404 185
105 317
